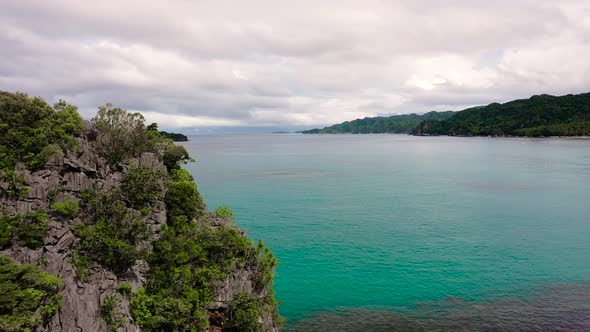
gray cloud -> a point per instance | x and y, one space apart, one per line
301 63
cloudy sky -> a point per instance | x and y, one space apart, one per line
192 63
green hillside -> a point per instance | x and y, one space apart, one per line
396 124
541 115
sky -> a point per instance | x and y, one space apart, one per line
286 64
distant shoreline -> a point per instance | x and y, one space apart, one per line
487 136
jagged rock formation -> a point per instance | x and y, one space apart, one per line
68 177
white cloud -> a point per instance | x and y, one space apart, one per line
263 62
185 121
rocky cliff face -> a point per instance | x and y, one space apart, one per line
68 177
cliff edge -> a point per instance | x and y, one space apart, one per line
128 237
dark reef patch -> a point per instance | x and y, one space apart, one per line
561 307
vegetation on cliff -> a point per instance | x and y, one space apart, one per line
189 254
27 296
27 230
541 115
396 124
32 130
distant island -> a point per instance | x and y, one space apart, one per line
396 124
174 136
538 116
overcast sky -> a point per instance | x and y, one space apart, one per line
191 63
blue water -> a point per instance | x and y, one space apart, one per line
392 221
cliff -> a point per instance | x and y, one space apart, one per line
102 292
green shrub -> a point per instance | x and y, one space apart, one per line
183 200
81 263
108 312
67 208
266 264
28 296
158 312
141 186
24 191
50 151
17 187
29 125
113 234
179 175
224 212
244 311
88 196
175 156
124 289
6 229
27 229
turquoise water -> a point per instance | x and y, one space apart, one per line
392 221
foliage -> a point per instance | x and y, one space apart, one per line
81 263
112 236
183 265
88 196
188 258
158 312
542 115
178 175
50 151
27 296
174 156
108 312
244 311
174 136
183 200
141 186
67 208
120 135
27 229
124 289
397 124
17 187
178 282
266 263
32 131
224 212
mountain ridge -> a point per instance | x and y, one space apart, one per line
538 116
395 124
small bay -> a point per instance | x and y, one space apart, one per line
394 222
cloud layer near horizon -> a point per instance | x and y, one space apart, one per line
297 63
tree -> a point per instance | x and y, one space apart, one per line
120 134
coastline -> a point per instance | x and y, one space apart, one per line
487 136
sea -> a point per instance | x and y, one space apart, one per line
404 233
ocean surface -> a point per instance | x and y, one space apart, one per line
394 232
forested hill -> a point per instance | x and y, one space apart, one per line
396 124
541 115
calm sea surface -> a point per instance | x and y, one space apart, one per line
422 231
